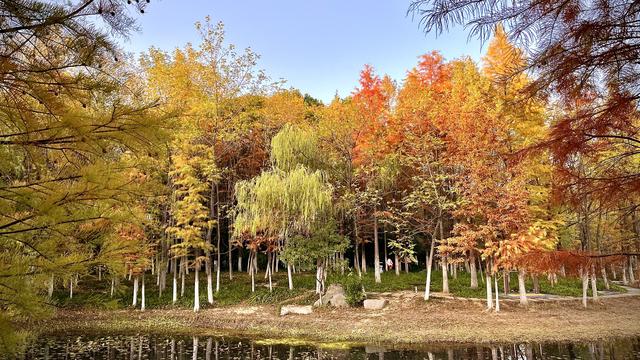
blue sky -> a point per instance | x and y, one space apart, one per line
318 46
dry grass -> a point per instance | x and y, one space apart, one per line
407 320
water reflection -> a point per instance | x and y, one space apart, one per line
157 347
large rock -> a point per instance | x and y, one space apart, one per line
296 309
339 300
374 304
334 296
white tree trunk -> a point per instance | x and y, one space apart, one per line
269 269
289 277
585 287
495 280
142 301
376 250
70 288
113 285
175 285
427 287
196 290
252 271
489 292
210 283
594 283
183 272
632 276
134 302
397 264
522 290
217 276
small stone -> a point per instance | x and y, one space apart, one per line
296 309
374 304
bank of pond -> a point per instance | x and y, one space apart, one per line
165 347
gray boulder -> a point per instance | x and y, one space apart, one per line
375 304
334 296
339 300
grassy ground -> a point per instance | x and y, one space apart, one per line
92 293
406 320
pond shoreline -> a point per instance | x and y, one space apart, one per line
406 322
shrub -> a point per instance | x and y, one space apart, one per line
353 291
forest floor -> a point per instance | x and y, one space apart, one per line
406 320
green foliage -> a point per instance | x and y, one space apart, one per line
294 146
353 290
305 250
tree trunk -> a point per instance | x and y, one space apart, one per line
445 265
376 250
603 270
397 263
625 281
183 270
594 283
209 280
487 281
522 290
196 289
269 269
356 255
632 276
252 271
218 263
320 277
70 288
363 261
113 285
472 270
135 292
230 256
506 278
175 284
427 287
386 256
239 259
289 277
536 283
495 280
445 276
142 293
585 286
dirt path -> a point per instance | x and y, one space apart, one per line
406 320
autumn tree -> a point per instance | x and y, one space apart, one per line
69 112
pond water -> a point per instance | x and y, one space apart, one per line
186 348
